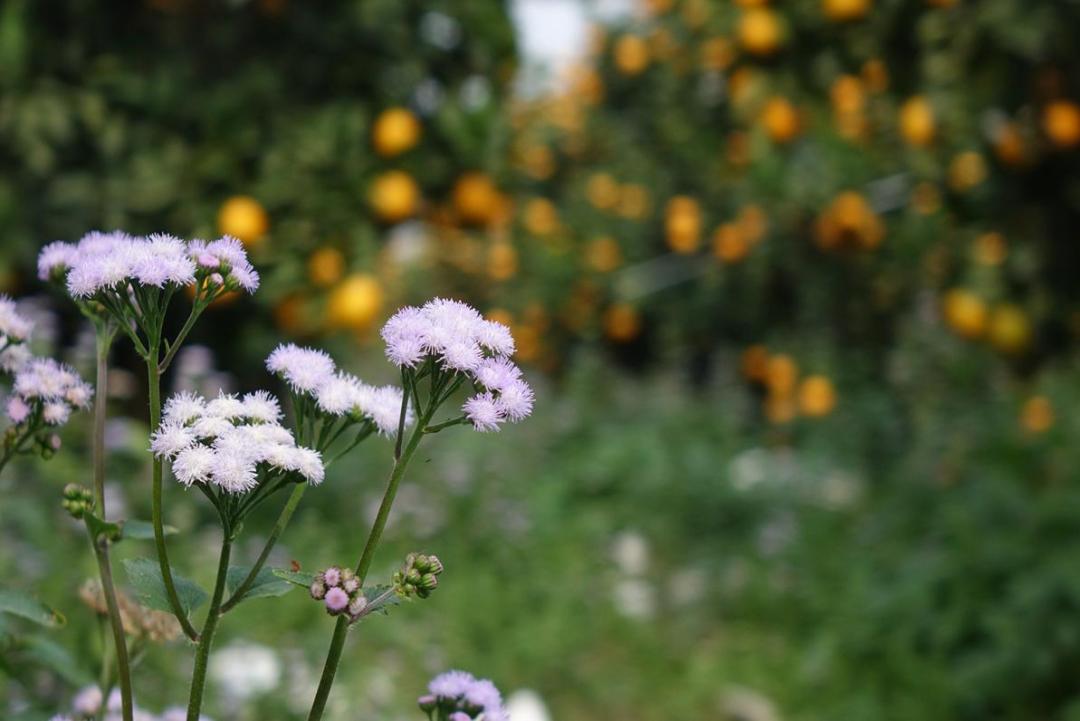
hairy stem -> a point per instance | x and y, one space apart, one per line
154 380
101 546
206 638
279 528
341 629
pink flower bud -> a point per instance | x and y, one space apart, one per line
336 600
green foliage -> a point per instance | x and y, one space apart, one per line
266 584
144 574
23 605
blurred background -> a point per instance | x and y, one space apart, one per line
796 282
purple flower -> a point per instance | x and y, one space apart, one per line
451 684
483 694
332 576
17 410
336 600
459 716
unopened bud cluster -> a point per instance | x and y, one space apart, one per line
418 577
78 500
339 590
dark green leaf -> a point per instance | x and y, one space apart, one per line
266 584
25 606
145 576
297 578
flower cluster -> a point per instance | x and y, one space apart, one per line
14 331
313 373
48 391
226 442
419 576
464 698
115 260
457 339
90 702
339 590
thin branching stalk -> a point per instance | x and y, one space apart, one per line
206 638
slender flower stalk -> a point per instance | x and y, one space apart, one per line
206 638
104 337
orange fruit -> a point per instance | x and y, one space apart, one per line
603 254
355 303
965 313
476 199
966 170
243 217
780 119
729 243
395 131
326 266
990 249
683 224
622 323
781 372
541 217
844 10
1037 415
1061 123
754 363
1009 329
631 54
502 261
602 191
817 396
917 123
760 31
716 54
394 196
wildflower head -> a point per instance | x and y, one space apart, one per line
462 697
231 442
457 341
340 592
312 374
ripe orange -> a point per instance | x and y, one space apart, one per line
394 196
243 217
395 131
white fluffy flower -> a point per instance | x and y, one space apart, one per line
232 443
305 369
483 412
13 327
56 413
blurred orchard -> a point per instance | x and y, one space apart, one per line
799 278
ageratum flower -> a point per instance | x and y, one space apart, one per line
465 697
14 331
313 373
458 340
231 442
47 389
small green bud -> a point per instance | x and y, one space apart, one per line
428 582
435 565
412 577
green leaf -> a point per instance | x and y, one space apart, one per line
145 576
297 578
102 529
25 606
266 584
52 655
143 530
373 593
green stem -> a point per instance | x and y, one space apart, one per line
279 528
206 638
107 589
446 424
196 310
154 380
16 447
101 546
337 643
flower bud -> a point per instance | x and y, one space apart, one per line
357 606
427 703
332 576
435 565
318 590
336 601
412 577
428 582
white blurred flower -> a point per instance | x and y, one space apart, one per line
526 705
245 670
635 598
630 551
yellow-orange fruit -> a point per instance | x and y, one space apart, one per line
844 10
760 31
243 217
631 54
817 396
990 249
780 408
754 363
847 94
781 372
603 254
917 122
1037 415
683 224
602 191
395 131
1009 329
502 261
780 120
394 196
634 201
1009 145
476 199
1061 123
752 222
541 217
622 323
326 266
875 75
729 244
355 303
965 313
717 54
966 170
